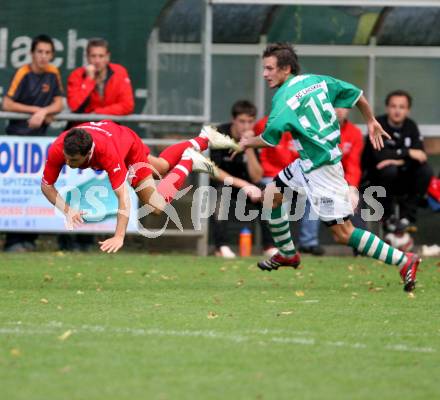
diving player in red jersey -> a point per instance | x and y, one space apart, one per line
120 152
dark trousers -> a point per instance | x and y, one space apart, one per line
75 242
409 182
15 238
221 223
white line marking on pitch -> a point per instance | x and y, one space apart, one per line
53 328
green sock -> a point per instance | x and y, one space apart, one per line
370 245
280 229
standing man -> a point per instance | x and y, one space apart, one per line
304 105
101 87
401 167
273 160
35 89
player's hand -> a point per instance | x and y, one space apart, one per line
112 245
243 144
91 71
418 155
253 192
386 163
37 119
74 218
49 119
248 134
376 134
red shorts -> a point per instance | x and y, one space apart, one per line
136 161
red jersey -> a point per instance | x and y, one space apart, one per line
352 145
115 148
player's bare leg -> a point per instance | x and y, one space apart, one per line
147 193
368 244
159 165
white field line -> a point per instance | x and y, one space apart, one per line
55 328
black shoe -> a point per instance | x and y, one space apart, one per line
277 261
314 250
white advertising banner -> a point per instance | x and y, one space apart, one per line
24 208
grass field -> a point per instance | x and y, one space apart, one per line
133 326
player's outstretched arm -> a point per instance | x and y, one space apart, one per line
73 217
375 130
113 244
249 142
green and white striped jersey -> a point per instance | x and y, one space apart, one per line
304 105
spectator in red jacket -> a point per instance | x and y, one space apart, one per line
352 145
101 87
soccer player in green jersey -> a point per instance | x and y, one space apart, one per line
304 105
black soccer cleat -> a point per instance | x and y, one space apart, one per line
278 260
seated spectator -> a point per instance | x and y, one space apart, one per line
243 171
100 87
401 166
35 89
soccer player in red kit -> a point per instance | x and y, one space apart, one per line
120 152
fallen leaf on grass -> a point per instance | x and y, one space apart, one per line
79 292
299 293
129 271
59 307
240 282
48 278
217 300
286 312
15 352
212 315
44 301
65 335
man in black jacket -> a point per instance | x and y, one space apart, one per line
244 172
401 166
